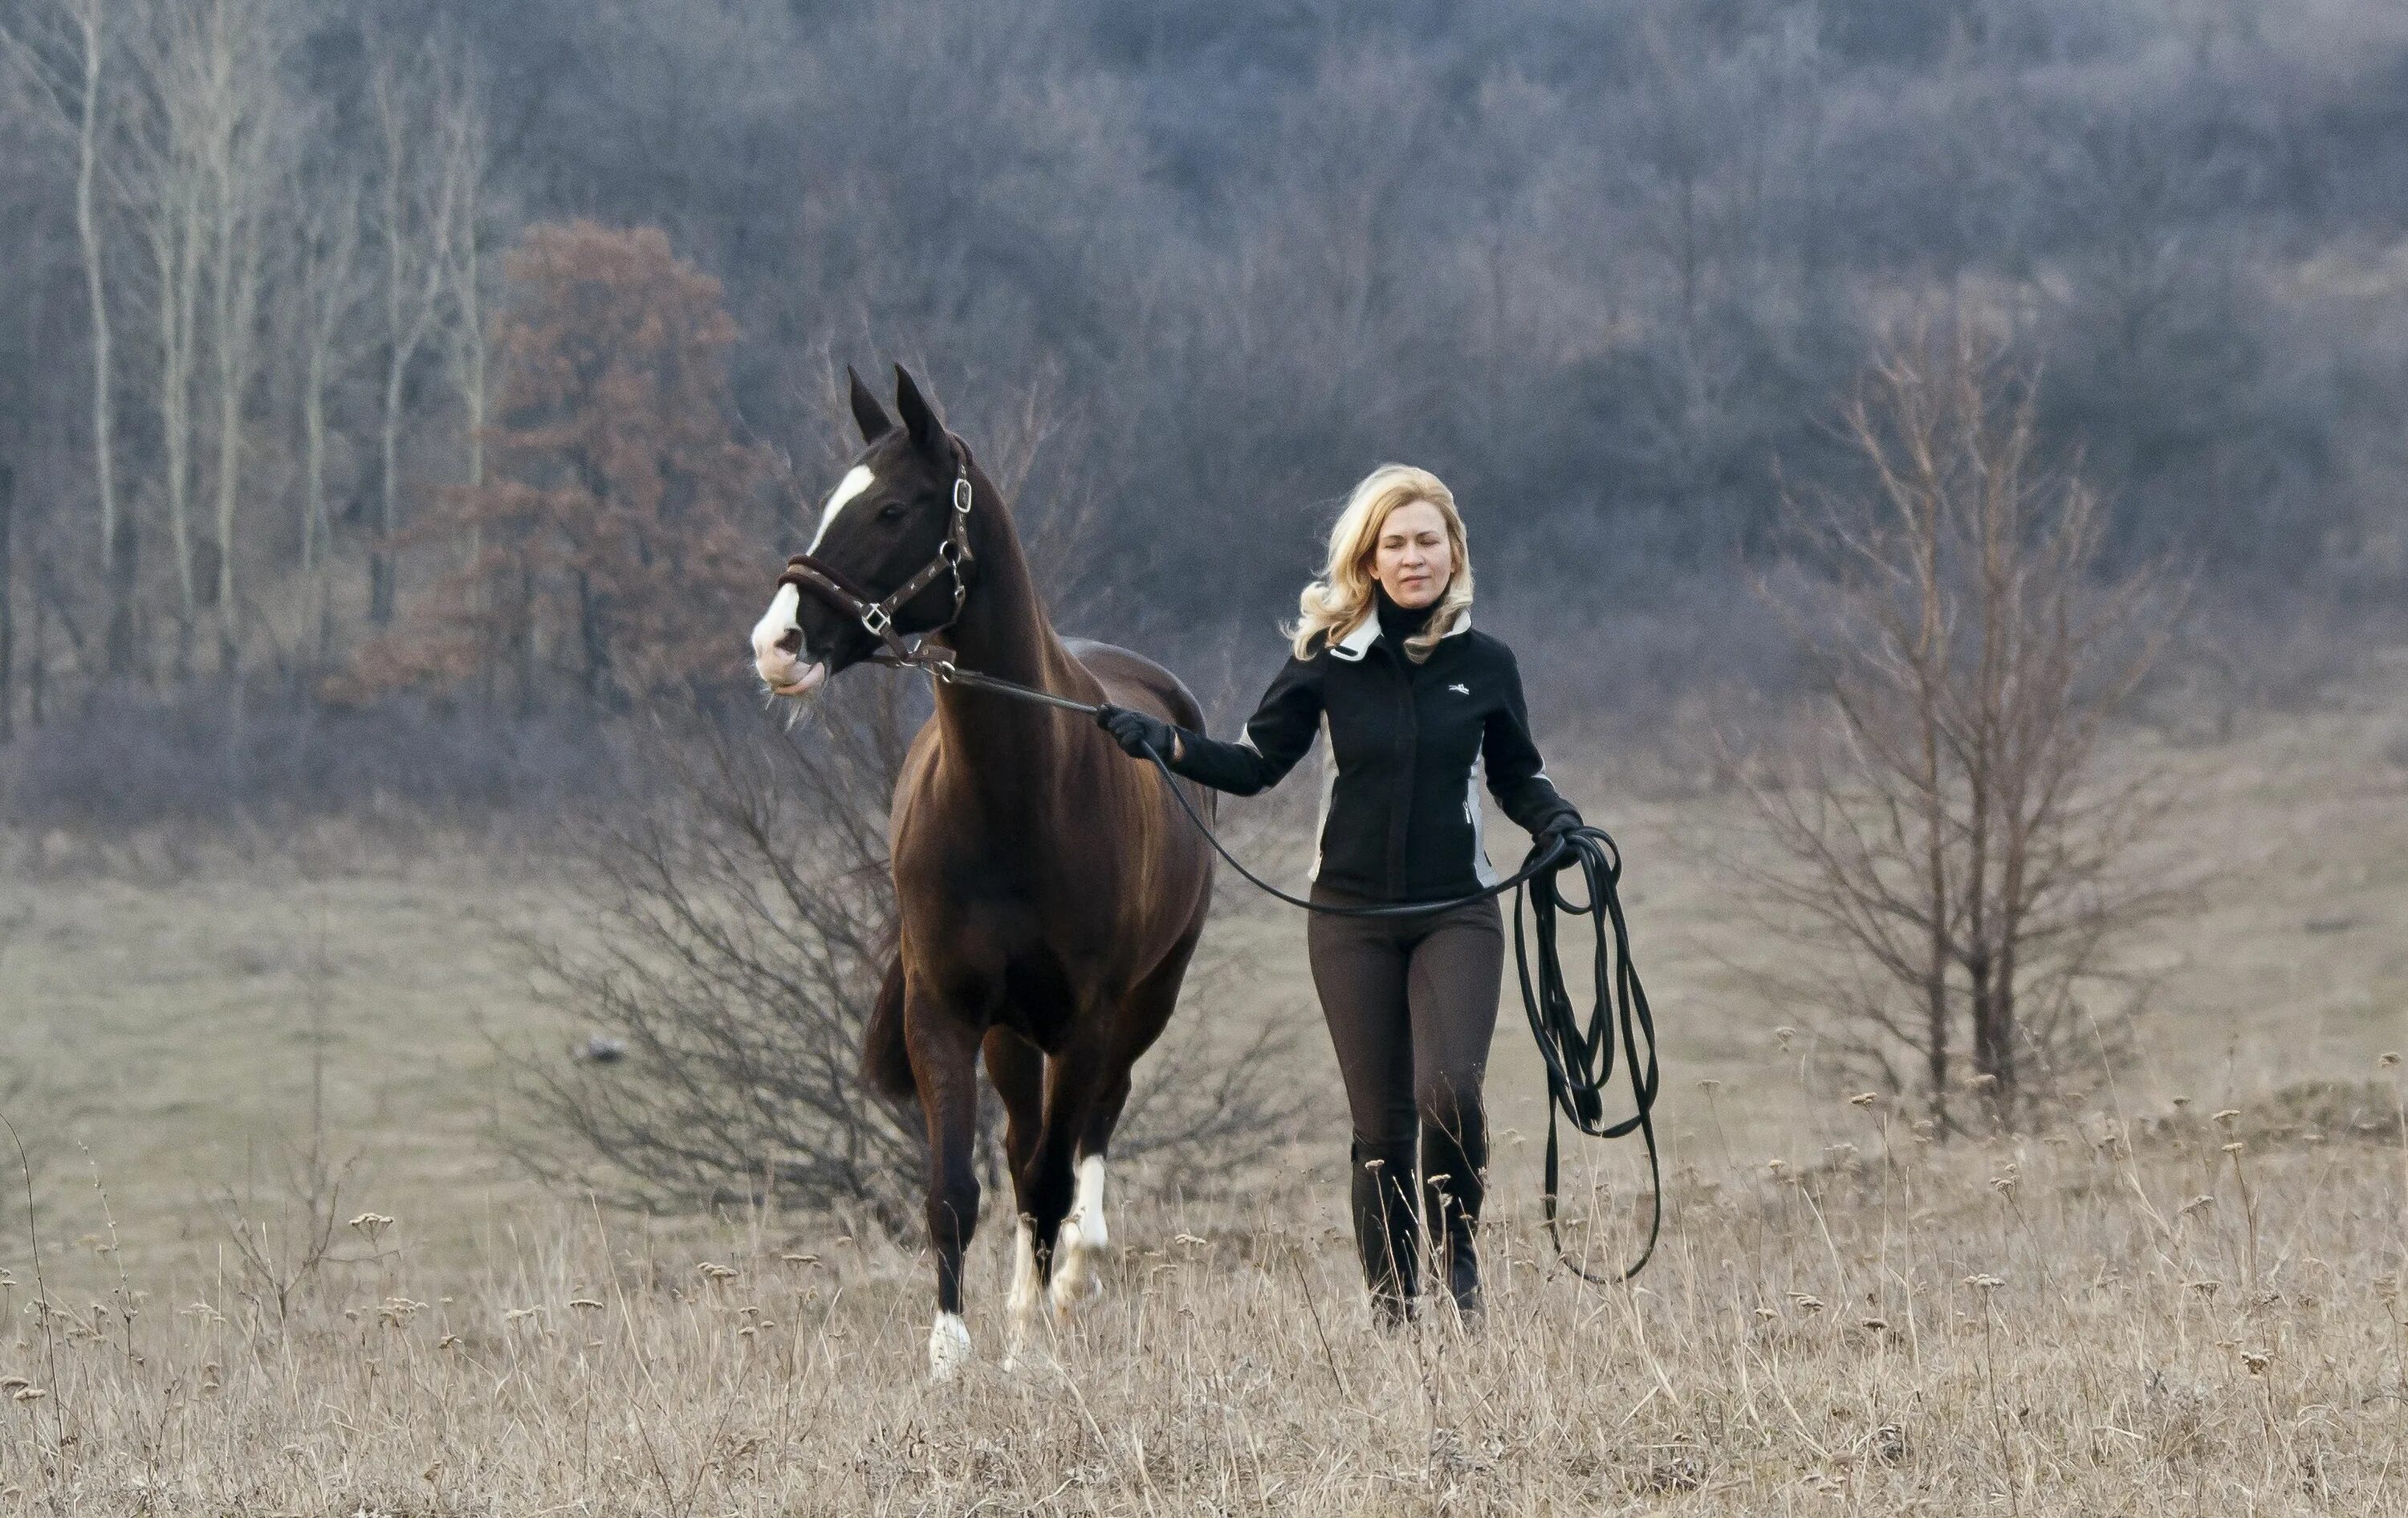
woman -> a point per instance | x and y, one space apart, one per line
1416 705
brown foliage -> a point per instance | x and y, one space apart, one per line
607 554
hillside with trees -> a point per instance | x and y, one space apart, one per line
1607 270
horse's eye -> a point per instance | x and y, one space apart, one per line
891 512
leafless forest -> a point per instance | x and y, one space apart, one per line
1608 268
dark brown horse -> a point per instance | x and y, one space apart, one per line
1050 893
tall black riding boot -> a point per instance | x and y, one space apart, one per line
1385 1229
1455 1171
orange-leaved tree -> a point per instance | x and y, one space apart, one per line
607 554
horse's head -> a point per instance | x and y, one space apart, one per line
888 519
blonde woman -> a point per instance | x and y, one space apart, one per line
1417 705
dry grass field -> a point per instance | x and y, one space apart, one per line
2186 1298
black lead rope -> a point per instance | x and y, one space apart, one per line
1579 1060
1579 1057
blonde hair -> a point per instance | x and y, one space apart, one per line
1335 604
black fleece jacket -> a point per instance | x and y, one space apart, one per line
1400 818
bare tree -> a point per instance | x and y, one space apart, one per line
207 128
1958 861
413 95
468 168
326 287
167 189
466 158
64 62
243 44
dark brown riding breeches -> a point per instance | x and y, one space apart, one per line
1411 1007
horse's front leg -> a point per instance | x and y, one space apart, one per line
944 1055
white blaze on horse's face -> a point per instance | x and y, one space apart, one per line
777 648
777 637
855 481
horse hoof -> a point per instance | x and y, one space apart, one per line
1075 1285
1023 1356
949 1347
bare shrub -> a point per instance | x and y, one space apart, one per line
1956 867
742 917
284 1238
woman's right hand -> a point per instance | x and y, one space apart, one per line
1136 732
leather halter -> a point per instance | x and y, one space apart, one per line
877 616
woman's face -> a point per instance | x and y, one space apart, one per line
1412 560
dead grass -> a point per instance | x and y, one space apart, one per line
2076 1326
1820 1332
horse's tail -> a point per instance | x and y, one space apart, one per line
885 1061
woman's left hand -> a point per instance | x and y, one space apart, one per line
1554 832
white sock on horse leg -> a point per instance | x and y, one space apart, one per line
1087 1210
1027 1289
949 1346
1084 1238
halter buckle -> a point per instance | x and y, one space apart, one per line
962 493
877 620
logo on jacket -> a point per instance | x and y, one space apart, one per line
1460 690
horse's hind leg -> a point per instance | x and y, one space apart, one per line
944 1066
1046 1181
1140 1019
1017 1068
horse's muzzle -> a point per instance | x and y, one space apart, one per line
786 675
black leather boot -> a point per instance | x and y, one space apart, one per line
1455 1171
1386 1232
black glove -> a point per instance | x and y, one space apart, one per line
1136 732
1552 831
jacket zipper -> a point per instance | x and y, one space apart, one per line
1402 801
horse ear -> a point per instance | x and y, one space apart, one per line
871 416
920 419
